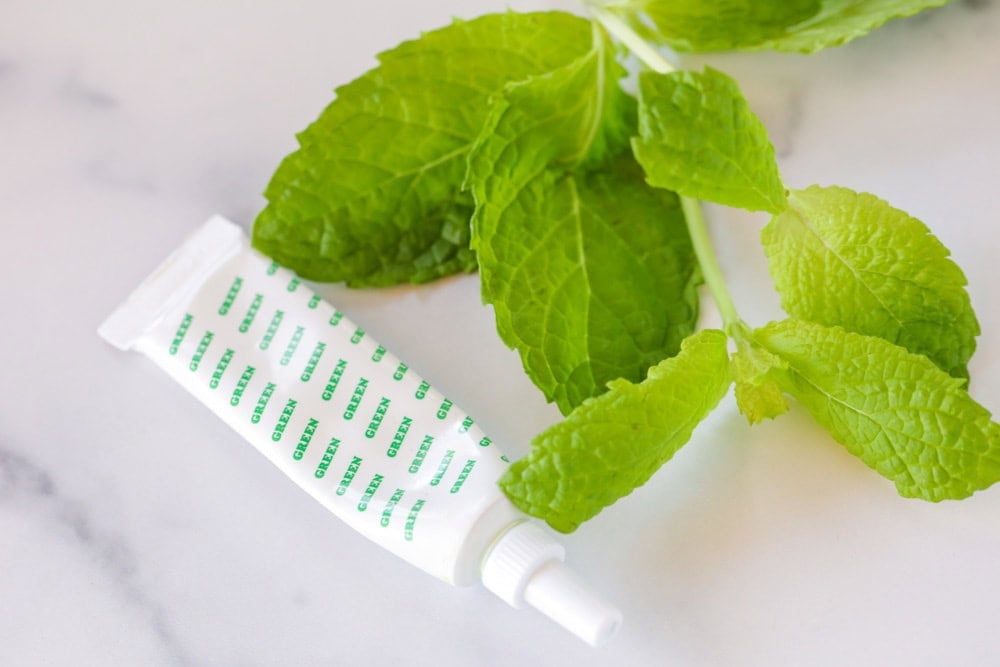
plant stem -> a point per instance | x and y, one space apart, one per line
693 214
649 56
710 269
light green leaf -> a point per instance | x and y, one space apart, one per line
758 394
575 116
373 194
840 21
849 259
591 276
896 411
590 271
783 25
612 444
713 25
699 137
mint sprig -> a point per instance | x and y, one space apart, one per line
507 143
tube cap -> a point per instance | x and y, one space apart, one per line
525 567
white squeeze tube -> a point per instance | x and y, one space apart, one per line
348 422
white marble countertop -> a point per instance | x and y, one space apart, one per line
136 529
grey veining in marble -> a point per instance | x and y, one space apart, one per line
26 487
76 92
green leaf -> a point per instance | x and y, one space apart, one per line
591 276
896 411
612 444
840 21
758 395
373 194
783 25
714 25
590 272
699 137
849 259
574 116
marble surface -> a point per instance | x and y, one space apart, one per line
136 529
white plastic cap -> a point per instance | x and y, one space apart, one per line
525 567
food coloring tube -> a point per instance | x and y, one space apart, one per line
347 421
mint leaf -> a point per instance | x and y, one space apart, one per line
590 272
896 411
591 276
613 444
699 137
783 25
840 21
574 116
373 194
849 259
758 395
713 25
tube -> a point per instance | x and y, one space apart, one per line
349 423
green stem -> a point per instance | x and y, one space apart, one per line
649 56
710 269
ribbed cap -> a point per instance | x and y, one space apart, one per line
525 567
